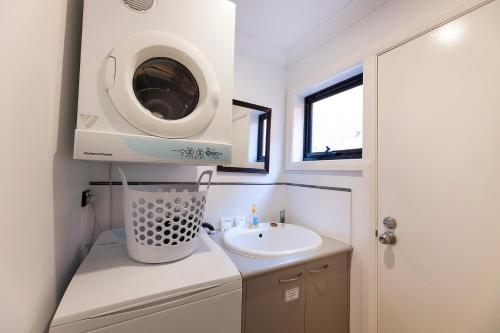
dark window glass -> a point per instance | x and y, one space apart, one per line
334 121
166 88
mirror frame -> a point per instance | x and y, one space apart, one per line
267 113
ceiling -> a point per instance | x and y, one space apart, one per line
284 30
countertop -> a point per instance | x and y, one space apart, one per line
251 266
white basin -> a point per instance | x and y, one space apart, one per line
272 241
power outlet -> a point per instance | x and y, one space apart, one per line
85 197
226 223
239 221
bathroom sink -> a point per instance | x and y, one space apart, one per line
271 240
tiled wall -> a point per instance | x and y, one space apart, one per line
326 210
223 201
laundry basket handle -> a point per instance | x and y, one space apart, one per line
124 180
206 172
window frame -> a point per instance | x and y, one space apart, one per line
260 136
330 91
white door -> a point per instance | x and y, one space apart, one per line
439 178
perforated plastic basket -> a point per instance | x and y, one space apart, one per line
163 226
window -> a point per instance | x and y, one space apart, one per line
333 123
262 137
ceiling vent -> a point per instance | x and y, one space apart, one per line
140 6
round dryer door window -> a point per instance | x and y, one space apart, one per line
162 84
166 88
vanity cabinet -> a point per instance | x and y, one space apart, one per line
309 298
267 309
327 296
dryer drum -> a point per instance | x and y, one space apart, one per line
166 88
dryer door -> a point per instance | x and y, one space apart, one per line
162 84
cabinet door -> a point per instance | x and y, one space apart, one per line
275 302
327 292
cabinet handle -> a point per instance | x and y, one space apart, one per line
318 270
295 278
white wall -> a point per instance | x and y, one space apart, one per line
261 83
387 25
42 222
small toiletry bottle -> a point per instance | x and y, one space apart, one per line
255 219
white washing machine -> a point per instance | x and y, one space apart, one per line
156 79
111 293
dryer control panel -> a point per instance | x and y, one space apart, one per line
104 146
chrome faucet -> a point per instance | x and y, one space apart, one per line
282 216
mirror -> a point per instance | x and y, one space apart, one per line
251 138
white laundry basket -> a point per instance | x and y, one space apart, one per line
163 226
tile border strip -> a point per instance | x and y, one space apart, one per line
318 187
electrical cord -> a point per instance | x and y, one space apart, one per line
96 227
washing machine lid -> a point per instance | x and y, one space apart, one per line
108 281
162 84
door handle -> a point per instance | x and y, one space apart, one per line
387 238
390 223
295 278
318 270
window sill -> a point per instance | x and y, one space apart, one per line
330 165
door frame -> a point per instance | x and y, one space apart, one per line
371 66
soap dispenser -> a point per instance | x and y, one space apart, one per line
255 220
